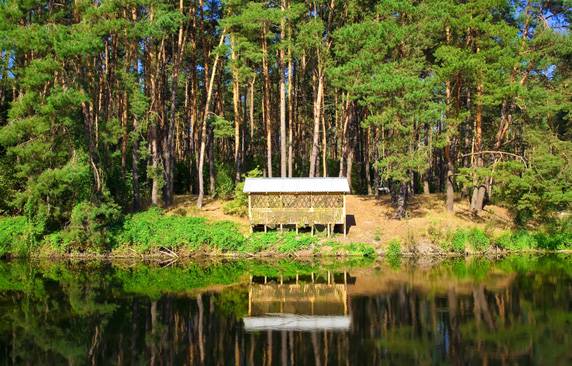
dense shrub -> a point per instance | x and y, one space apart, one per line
153 230
458 241
394 253
291 242
224 187
16 235
90 227
353 249
49 200
286 243
224 235
520 240
473 239
239 204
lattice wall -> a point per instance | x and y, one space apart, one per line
300 209
297 200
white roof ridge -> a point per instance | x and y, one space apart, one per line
296 184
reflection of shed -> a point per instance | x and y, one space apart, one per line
298 305
297 201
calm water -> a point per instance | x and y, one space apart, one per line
516 310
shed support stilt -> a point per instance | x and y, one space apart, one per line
296 229
312 229
265 228
281 228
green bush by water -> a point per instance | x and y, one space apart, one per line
16 235
394 253
151 229
353 249
285 243
469 239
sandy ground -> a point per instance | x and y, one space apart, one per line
370 219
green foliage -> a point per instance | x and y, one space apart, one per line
16 235
224 182
543 186
286 243
239 204
458 241
518 241
393 253
90 226
292 242
152 230
221 127
474 239
353 249
51 197
224 235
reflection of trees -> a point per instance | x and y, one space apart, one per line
466 313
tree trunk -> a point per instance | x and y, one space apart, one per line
236 108
281 56
290 108
319 88
204 129
449 183
266 101
479 188
402 196
324 141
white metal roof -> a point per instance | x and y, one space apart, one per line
295 185
296 322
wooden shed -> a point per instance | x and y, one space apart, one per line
297 201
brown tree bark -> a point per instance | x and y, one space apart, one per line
236 108
266 99
204 128
281 64
479 189
449 183
291 102
318 90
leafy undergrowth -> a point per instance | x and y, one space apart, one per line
152 233
475 240
16 235
150 230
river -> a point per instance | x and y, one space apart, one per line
514 310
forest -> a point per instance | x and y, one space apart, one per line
112 106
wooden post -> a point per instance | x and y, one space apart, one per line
345 218
296 229
265 229
281 228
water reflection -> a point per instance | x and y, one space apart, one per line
298 303
516 310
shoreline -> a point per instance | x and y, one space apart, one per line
271 255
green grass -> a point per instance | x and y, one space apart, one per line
352 249
285 243
394 253
151 232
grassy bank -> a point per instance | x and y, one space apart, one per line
153 234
